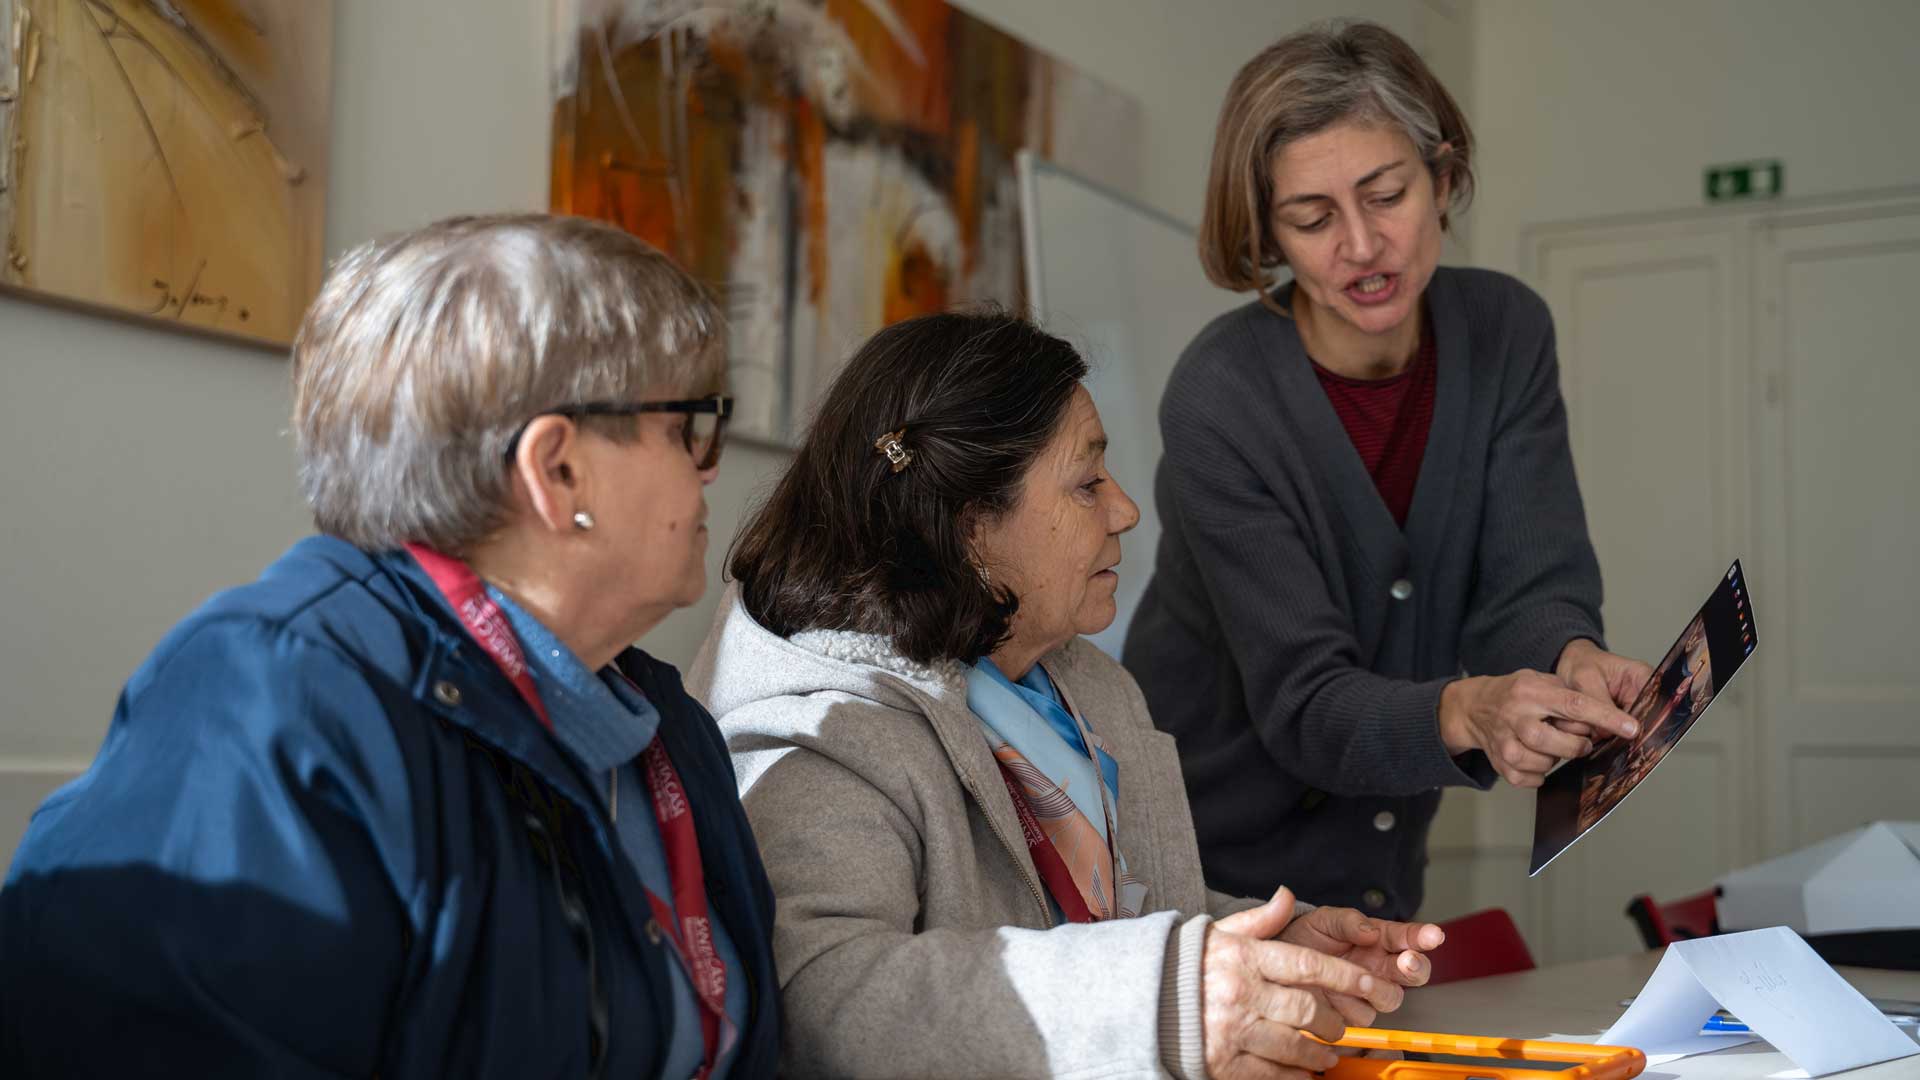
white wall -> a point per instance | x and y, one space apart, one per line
146 469
1588 111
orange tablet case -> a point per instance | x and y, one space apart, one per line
1594 1062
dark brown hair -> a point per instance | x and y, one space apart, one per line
1302 84
846 543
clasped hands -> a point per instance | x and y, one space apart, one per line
1269 981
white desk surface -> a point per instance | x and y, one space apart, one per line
1583 1000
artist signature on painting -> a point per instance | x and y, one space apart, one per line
167 300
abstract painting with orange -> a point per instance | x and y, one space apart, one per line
167 158
827 166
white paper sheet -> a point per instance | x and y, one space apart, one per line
1776 985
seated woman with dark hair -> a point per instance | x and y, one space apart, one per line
981 847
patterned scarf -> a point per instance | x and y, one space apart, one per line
1071 783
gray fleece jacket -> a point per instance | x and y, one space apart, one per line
911 932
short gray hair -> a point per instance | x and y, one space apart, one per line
426 351
1302 84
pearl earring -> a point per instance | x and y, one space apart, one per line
582 520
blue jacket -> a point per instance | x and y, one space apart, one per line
325 837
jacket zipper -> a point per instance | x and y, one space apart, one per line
1046 915
1033 887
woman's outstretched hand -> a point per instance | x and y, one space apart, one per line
1520 721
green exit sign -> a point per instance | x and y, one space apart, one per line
1746 180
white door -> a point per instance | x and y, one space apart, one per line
1837 486
1743 384
1650 323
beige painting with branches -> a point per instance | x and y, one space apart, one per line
167 158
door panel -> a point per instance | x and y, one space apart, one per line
1649 320
1839 513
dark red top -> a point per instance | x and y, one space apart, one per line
1387 419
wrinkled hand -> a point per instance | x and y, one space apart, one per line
1512 718
1261 998
1394 951
1597 673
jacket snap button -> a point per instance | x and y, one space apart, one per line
653 931
1401 589
446 693
1373 898
1383 821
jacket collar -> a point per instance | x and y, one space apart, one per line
739 653
459 683
1082 674
866 665
937 691
485 706
875 651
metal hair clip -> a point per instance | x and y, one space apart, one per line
889 445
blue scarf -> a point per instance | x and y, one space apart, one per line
1031 716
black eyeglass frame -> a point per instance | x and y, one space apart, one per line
721 405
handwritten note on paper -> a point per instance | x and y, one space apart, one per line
1776 985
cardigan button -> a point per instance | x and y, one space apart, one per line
1374 898
446 694
653 932
1383 821
1400 589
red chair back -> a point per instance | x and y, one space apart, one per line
1663 924
1483 943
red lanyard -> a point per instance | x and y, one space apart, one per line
692 933
483 618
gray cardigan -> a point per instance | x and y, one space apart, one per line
912 934
1294 640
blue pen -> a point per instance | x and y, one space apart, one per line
1716 1023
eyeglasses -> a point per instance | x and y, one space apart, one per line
704 435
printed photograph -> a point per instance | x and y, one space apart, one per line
1679 691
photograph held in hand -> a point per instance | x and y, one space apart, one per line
1582 792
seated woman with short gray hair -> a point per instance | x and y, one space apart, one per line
410 804
981 847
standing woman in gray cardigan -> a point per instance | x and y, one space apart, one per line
1375 579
